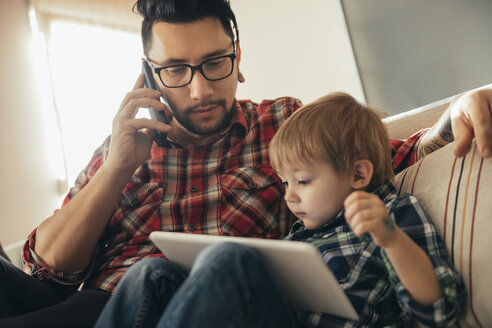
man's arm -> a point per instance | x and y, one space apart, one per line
66 241
468 116
436 137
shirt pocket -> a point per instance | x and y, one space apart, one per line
250 202
138 210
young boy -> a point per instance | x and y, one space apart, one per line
334 160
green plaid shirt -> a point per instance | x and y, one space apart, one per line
368 278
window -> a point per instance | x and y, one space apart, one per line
92 68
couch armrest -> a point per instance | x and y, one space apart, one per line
14 251
402 126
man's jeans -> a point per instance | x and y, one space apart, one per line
228 286
26 301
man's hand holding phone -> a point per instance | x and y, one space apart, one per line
149 82
132 137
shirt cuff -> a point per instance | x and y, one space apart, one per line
34 266
404 152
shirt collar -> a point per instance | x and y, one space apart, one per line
384 190
239 124
239 118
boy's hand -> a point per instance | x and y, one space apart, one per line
366 213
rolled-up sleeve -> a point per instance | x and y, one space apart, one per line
36 267
404 152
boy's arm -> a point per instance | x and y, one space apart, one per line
414 268
417 227
367 213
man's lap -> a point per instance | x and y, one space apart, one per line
26 301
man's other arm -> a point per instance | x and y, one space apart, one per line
468 116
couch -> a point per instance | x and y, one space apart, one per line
456 194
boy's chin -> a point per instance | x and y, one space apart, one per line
311 225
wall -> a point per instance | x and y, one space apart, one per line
28 189
295 48
411 53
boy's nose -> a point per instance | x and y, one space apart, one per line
290 196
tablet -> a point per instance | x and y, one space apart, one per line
302 275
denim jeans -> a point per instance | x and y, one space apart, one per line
228 286
26 301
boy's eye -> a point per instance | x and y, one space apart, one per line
303 182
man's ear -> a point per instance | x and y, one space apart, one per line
238 52
240 76
362 174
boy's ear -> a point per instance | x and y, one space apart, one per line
362 174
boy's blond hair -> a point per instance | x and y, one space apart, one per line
336 129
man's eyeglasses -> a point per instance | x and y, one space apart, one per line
213 69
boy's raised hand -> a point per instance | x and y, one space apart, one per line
366 213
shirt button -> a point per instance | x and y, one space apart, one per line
40 276
252 184
192 227
135 201
194 188
197 149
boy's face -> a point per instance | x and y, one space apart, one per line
315 192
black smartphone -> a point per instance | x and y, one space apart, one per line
160 137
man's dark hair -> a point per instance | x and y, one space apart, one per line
183 11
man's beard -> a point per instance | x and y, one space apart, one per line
205 132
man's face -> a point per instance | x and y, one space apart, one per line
202 107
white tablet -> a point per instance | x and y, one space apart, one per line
304 278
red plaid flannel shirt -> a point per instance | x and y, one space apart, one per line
224 188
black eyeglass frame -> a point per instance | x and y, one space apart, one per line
198 67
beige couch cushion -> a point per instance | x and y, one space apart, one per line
457 194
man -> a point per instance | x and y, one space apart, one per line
214 177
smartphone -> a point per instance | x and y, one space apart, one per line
160 137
